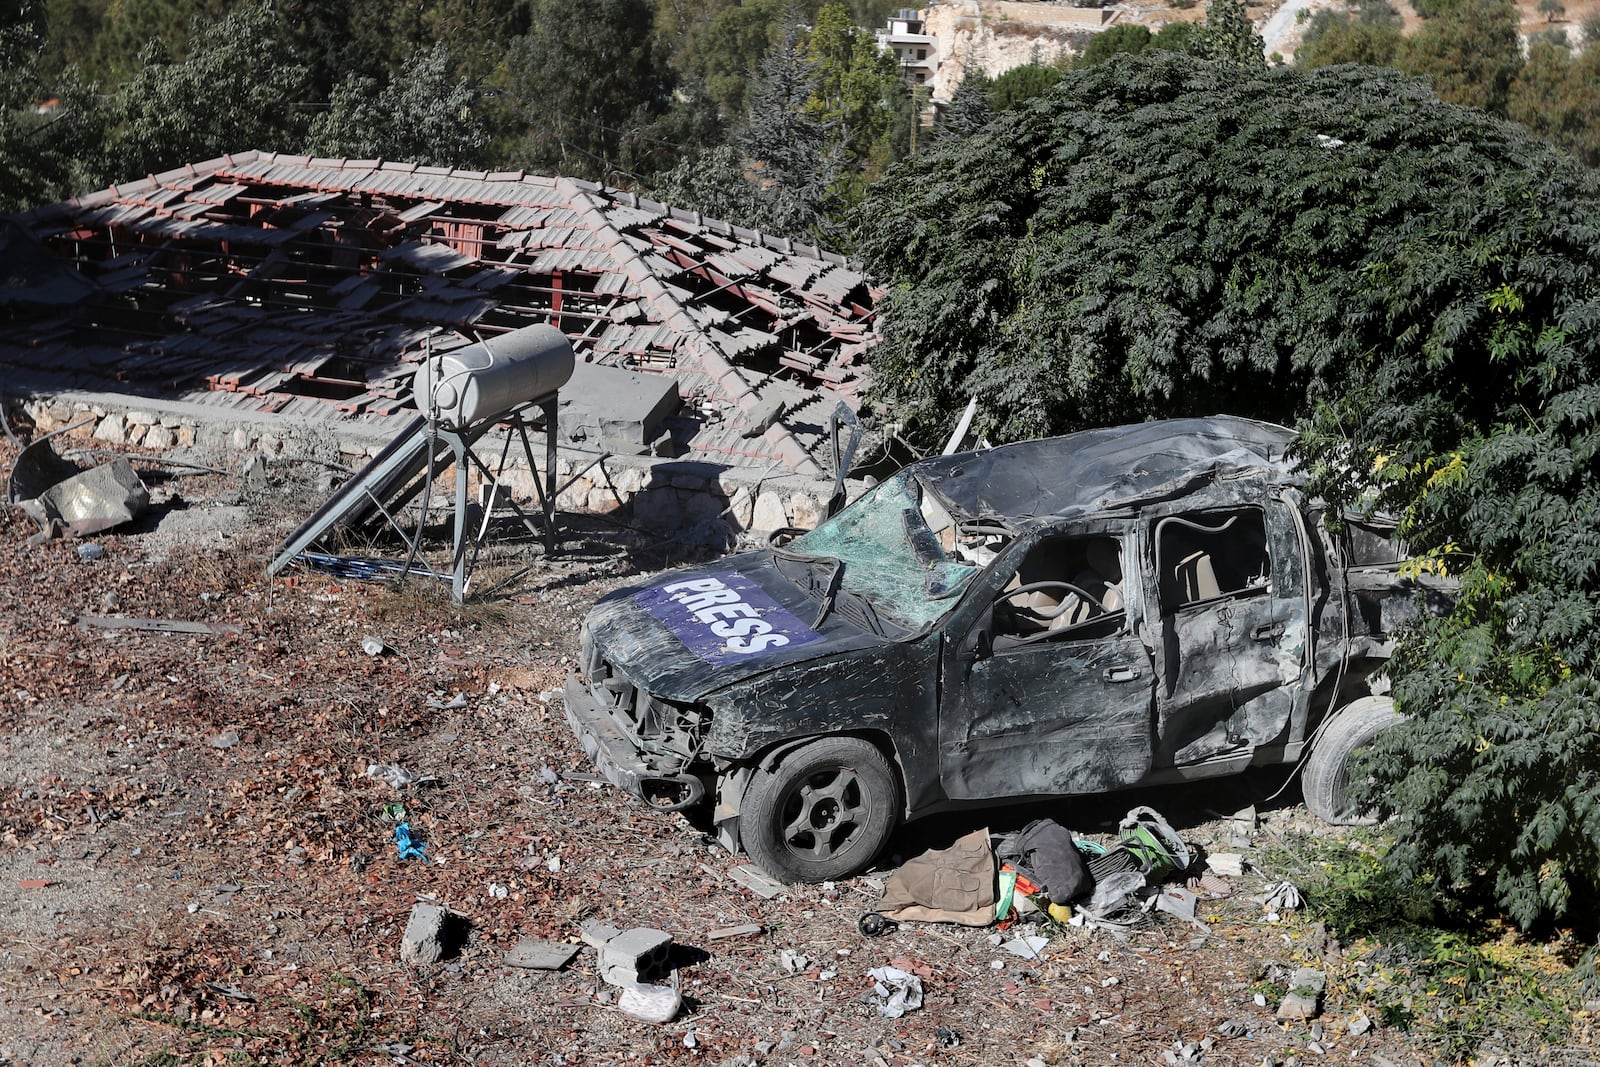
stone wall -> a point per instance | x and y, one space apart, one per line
668 495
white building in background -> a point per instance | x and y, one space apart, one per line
935 45
913 48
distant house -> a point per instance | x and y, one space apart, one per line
917 52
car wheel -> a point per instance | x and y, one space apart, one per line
825 811
1325 782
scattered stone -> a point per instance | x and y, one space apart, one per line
1305 993
432 934
89 552
1230 864
226 739
650 1003
747 930
373 646
596 933
1359 1025
757 881
536 955
1234 1027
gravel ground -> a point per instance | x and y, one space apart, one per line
198 868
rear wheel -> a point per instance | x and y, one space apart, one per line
1325 782
825 811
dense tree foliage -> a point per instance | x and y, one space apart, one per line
425 117
46 152
1160 235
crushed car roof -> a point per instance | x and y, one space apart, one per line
1115 467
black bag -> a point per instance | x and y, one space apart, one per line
1044 852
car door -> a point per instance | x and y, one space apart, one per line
1046 688
1229 625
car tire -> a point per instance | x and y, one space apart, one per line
1325 782
823 812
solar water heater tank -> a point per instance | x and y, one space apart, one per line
483 381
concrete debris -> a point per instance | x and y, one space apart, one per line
226 739
650 1003
432 934
637 955
536 955
764 415
90 552
1029 948
1359 1025
1303 1001
1226 863
166 626
757 881
373 646
595 933
724 933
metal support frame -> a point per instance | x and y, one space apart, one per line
406 467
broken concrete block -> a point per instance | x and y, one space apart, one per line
757 881
421 944
111 429
1228 863
722 934
651 1003
634 956
596 933
764 415
536 955
1305 995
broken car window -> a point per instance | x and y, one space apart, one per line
890 554
1062 586
1206 555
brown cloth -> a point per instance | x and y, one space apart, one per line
952 885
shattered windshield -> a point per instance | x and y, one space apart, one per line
896 549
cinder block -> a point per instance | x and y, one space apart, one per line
634 956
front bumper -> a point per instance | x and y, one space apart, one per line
619 760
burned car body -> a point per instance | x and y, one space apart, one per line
1060 617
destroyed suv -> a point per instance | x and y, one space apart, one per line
1114 608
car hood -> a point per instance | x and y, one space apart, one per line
689 632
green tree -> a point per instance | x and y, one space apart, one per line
237 90
49 154
1552 10
423 116
589 82
1229 36
1124 37
857 86
1168 236
1018 85
719 43
971 106
1470 52
794 157
1333 37
1557 95
127 26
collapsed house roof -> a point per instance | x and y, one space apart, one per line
312 287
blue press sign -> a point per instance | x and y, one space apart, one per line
724 617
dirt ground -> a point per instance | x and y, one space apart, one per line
197 869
